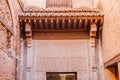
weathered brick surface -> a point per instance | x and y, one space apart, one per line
7 66
16 37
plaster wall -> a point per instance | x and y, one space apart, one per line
49 54
111 32
61 56
76 3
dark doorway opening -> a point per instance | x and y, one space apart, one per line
61 75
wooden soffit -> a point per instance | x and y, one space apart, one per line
112 61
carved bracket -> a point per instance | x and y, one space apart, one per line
28 34
93 30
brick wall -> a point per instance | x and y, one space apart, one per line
7 64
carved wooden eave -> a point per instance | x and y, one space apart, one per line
6 16
112 61
50 20
77 11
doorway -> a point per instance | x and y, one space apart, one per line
61 75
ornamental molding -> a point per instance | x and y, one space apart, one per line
34 9
70 12
5 15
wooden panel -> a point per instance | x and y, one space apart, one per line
60 35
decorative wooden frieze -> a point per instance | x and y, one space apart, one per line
28 34
40 24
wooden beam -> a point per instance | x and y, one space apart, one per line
80 23
59 17
74 24
46 23
57 23
69 22
85 25
59 30
52 26
35 24
63 23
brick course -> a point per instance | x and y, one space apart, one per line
7 64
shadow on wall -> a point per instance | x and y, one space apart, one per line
111 73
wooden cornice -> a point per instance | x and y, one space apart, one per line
112 61
66 20
61 14
35 11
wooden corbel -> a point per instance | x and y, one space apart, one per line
28 34
93 30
